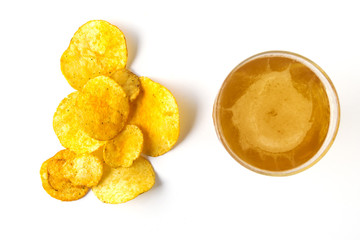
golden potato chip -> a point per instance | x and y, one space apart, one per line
124 148
84 170
99 153
68 130
55 184
156 113
128 81
122 184
56 180
58 160
102 108
97 48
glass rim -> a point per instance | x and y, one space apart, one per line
334 105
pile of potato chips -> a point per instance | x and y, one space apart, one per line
105 126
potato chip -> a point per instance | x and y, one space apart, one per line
55 184
84 170
156 113
68 130
120 185
103 142
58 160
97 48
128 81
56 180
124 148
99 153
102 108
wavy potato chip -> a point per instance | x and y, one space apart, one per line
102 108
128 81
156 113
124 148
97 48
84 170
55 184
68 130
120 185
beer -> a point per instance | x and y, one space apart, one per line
273 113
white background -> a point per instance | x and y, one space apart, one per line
189 47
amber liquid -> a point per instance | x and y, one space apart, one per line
273 113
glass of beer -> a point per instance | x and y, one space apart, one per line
277 113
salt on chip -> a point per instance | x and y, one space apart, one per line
84 170
55 184
68 130
156 113
97 48
124 148
120 185
128 81
102 108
